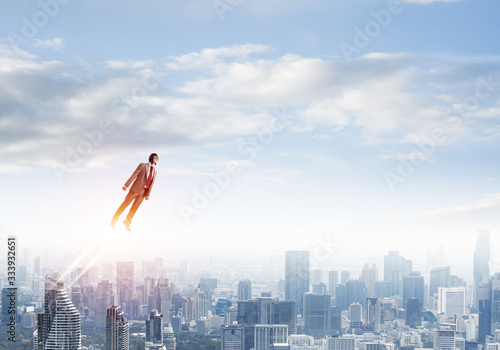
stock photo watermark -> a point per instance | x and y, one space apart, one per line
454 117
363 36
220 180
324 249
31 25
93 138
223 6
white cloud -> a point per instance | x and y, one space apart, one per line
55 43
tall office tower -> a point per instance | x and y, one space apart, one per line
440 277
444 340
413 312
59 324
484 305
317 276
37 269
117 329
104 297
481 270
319 288
369 275
318 316
333 278
232 338
267 311
355 291
344 277
373 312
413 287
356 315
162 297
124 282
451 301
188 309
395 267
244 290
384 289
154 327
495 303
296 277
266 335
169 338
149 285
341 343
388 309
200 304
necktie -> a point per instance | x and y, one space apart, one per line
148 183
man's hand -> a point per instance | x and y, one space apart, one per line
147 198
124 188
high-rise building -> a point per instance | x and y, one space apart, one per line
117 329
318 316
444 340
347 342
354 291
439 277
232 338
484 306
266 335
154 327
104 297
124 282
481 270
59 324
384 289
319 288
451 301
169 339
162 294
369 275
413 312
244 290
149 285
344 277
333 280
413 287
395 267
296 277
267 311
495 303
373 312
200 304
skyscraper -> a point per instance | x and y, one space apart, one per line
117 329
318 316
495 303
373 312
369 275
451 301
395 267
267 311
413 287
124 282
333 280
444 339
104 298
244 290
162 297
484 306
440 277
413 312
266 335
481 270
296 277
59 324
232 338
154 327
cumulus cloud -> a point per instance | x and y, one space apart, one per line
49 108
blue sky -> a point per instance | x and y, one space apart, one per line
372 123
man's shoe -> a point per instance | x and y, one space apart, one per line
113 223
127 226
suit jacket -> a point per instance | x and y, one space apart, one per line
140 177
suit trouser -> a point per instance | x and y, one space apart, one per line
137 198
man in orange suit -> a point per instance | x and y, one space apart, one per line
143 179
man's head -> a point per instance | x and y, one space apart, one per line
153 158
